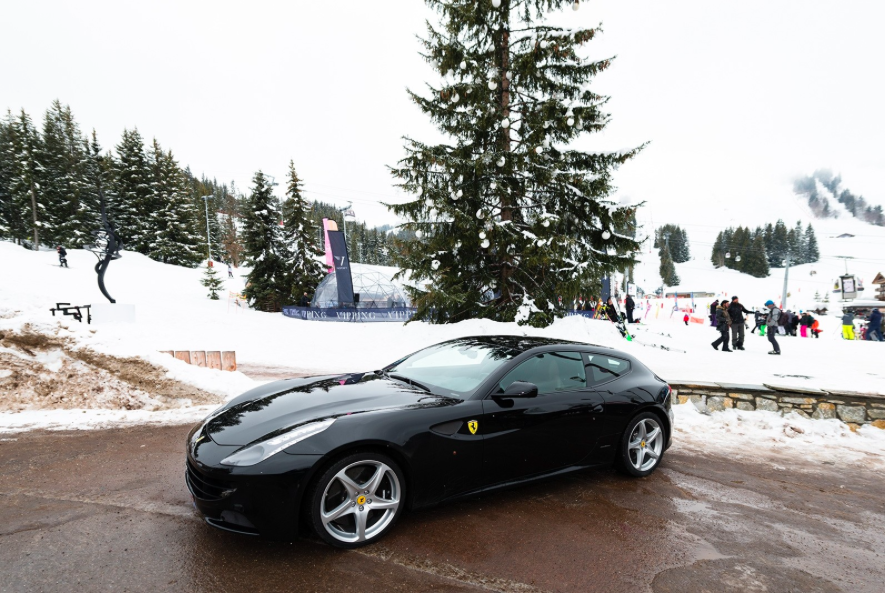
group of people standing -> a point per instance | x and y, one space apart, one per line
728 318
873 330
606 310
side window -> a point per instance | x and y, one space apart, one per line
551 372
602 368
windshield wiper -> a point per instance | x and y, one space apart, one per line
411 382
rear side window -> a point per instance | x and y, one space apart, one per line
551 372
602 368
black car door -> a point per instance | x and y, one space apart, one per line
610 378
525 437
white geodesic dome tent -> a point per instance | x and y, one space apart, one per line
375 285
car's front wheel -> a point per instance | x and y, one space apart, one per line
357 499
642 445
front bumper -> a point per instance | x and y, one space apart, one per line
263 499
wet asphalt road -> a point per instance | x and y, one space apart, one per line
108 511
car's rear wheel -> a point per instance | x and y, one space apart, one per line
357 499
642 445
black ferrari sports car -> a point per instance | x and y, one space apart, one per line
345 455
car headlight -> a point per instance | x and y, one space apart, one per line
261 451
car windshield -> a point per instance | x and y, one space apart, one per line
453 368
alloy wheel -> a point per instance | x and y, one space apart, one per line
360 501
645 444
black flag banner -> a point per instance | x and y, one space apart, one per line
342 268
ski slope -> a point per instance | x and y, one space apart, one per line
865 253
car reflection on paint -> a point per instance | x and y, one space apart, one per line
346 455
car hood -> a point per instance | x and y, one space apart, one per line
285 404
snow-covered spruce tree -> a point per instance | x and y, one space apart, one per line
812 253
299 237
667 268
507 215
171 228
97 170
72 208
212 282
7 167
132 205
231 242
755 261
267 283
27 207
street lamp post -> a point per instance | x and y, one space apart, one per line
667 244
208 240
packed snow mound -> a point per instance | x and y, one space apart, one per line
41 372
783 441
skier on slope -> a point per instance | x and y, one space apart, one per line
771 322
62 256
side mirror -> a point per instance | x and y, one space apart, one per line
520 389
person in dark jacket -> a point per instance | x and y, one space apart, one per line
713 306
759 318
736 312
62 256
610 310
805 322
794 324
874 329
305 300
630 305
723 321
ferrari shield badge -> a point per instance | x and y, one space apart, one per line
472 425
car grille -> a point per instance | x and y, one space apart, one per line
204 487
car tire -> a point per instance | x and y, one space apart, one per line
639 455
357 499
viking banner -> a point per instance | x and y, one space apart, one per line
372 315
341 263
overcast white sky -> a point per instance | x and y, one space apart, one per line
736 98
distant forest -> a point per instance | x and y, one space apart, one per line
51 175
754 252
822 186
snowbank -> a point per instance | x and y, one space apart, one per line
783 441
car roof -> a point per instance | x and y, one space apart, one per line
524 343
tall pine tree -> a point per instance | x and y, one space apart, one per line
133 203
667 268
8 212
507 215
812 253
28 210
267 285
299 238
754 259
172 237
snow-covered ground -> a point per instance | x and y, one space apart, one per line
173 313
781 441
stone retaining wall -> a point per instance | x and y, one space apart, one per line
851 407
